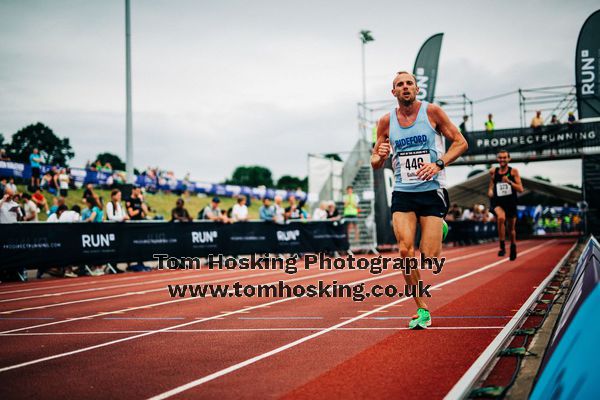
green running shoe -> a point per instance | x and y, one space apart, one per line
422 321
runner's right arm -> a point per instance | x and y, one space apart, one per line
491 185
382 148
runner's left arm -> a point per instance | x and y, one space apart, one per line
445 127
517 184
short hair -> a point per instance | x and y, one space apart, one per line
405 72
504 151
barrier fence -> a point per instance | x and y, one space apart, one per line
33 245
82 176
570 364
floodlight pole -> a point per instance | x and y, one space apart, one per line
364 76
128 123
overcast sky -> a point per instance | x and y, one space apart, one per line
225 83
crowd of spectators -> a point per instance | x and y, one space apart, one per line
537 122
477 212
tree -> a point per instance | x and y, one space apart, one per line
572 186
112 159
288 182
333 156
53 150
253 176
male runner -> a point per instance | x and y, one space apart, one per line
505 182
413 131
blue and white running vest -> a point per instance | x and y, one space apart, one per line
411 146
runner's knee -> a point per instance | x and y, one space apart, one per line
406 249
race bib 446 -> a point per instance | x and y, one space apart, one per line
410 162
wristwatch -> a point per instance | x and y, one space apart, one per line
440 163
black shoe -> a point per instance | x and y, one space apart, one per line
513 252
502 253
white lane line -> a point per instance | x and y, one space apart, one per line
233 330
257 358
44 295
41 285
173 301
167 302
440 317
276 318
51 305
214 317
295 343
116 296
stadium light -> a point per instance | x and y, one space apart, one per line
128 120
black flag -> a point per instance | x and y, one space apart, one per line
426 66
587 68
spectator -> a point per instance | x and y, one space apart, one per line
93 212
463 124
31 209
56 202
240 210
136 209
114 211
351 211
454 213
279 210
467 215
179 213
72 215
11 185
35 161
571 119
267 211
554 120
3 155
40 200
63 182
320 214
489 124
50 181
212 212
488 216
56 216
332 212
477 212
293 211
10 212
2 186
89 191
537 122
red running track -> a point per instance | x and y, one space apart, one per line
124 337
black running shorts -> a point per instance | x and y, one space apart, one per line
509 207
430 203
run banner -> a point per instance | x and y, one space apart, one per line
34 245
587 68
426 67
550 137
